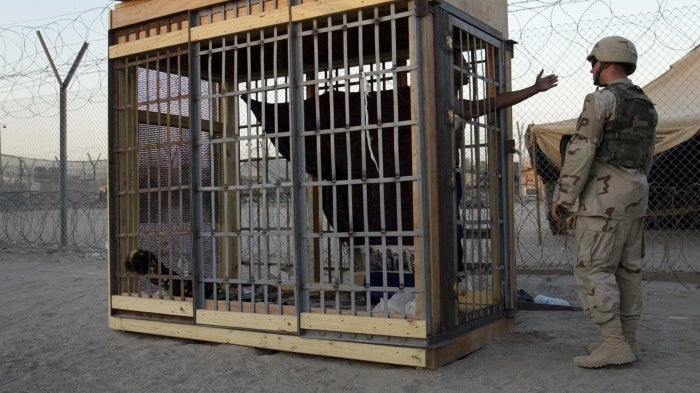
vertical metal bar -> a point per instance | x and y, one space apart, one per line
195 145
298 191
507 218
62 165
331 99
238 200
213 163
252 226
112 170
173 254
278 194
228 155
362 88
164 155
180 192
265 210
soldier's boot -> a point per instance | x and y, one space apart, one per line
613 350
629 330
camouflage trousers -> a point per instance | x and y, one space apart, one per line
608 268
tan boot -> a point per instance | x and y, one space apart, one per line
592 347
613 350
629 330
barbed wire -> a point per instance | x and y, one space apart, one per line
32 218
550 35
545 45
28 86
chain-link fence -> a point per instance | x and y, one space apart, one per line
28 186
30 132
668 70
30 197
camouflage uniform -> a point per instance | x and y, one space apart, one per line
610 217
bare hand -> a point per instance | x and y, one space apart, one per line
545 83
555 210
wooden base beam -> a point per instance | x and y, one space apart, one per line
279 342
155 306
469 342
380 353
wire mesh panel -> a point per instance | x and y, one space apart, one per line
151 183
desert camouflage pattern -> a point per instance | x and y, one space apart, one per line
602 190
608 267
629 136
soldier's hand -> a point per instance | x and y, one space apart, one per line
557 212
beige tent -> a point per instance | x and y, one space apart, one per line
676 96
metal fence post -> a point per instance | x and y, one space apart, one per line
63 131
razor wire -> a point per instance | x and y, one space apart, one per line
662 37
33 219
545 40
27 83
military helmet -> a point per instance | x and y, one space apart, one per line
615 49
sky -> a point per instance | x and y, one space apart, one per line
523 14
578 24
570 10
37 12
35 133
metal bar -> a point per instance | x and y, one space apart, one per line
215 161
251 222
230 157
238 194
113 74
76 62
63 148
48 55
298 192
195 168
507 218
265 236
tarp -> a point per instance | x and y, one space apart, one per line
674 179
675 96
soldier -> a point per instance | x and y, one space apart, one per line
606 167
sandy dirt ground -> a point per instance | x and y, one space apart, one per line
54 338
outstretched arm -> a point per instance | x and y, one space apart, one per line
470 109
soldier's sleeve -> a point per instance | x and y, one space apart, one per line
580 152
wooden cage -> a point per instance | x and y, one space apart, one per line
292 175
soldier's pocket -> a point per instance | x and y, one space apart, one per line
595 239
